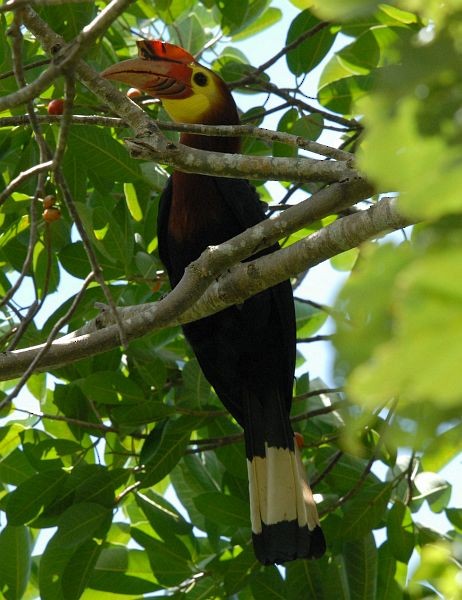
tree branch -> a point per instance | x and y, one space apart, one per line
210 130
198 294
151 145
64 55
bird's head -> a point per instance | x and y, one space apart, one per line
190 93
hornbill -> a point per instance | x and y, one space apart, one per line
246 352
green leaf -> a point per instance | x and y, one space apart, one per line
455 516
239 570
106 387
140 414
345 9
78 570
169 562
15 566
346 260
190 479
340 94
308 319
102 155
267 19
268 585
400 532
46 270
164 447
286 124
196 389
79 523
190 33
68 20
65 568
422 161
163 517
387 586
9 438
114 234
305 579
239 14
311 51
96 483
132 201
428 302
15 468
123 571
365 511
435 489
361 567
31 496
442 449
309 127
223 509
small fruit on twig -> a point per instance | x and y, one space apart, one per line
134 93
56 106
48 201
51 214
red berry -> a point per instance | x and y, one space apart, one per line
56 106
51 214
299 440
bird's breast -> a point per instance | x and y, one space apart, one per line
199 217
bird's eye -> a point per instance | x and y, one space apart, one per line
200 78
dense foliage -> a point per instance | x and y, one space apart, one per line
121 475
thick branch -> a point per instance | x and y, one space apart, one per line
193 160
242 282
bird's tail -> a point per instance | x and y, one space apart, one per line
285 522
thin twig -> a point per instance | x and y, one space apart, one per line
44 349
319 411
70 421
65 123
330 465
96 268
266 65
209 130
315 338
367 469
318 392
22 177
34 65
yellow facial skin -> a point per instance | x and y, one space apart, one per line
201 104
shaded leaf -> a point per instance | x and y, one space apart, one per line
31 496
361 567
15 550
164 447
223 509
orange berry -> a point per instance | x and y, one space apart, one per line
56 106
51 214
48 201
134 93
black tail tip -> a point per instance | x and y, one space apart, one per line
285 541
